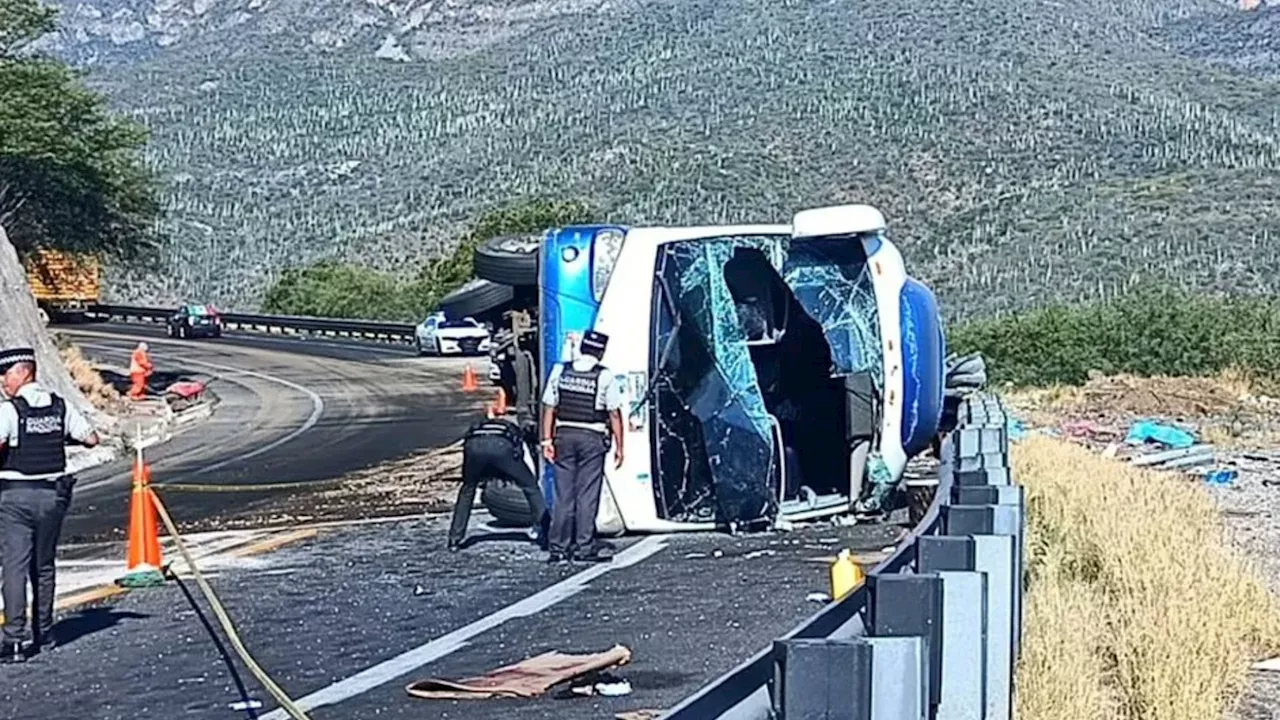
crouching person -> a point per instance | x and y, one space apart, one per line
496 448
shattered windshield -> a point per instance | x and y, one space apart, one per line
753 333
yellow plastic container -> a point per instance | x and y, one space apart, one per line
845 575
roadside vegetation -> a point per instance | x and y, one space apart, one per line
1137 607
1150 331
330 288
71 170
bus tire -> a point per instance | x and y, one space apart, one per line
918 501
508 260
505 502
476 298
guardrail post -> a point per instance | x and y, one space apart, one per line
822 679
1003 519
907 606
881 678
992 556
964 637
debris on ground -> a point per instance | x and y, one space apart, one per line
528 678
1225 411
1271 665
1145 431
604 685
818 597
1221 477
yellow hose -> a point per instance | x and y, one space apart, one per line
224 619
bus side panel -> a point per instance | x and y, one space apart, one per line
566 302
922 359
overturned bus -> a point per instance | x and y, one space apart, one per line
769 369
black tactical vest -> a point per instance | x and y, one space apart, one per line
498 429
41 448
578 392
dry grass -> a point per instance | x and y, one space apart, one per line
1137 609
96 390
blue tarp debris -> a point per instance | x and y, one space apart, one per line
1149 431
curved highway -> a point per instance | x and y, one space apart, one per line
292 411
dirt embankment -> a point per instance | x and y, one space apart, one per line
1151 591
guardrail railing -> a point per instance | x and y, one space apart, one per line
934 630
281 324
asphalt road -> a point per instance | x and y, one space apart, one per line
291 411
386 601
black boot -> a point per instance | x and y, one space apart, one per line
11 652
44 643
596 553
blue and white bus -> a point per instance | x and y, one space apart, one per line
767 367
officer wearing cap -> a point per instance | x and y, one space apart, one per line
496 448
582 407
35 492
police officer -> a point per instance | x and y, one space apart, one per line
582 407
495 448
35 492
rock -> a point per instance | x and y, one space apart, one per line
20 324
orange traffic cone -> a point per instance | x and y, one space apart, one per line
469 379
144 540
500 407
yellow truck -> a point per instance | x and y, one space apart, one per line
64 284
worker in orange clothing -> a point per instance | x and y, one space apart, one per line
139 370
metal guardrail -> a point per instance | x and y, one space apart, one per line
281 324
934 631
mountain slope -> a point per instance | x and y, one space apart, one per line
1024 151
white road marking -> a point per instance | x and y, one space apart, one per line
317 408
407 662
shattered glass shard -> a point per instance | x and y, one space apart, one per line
831 280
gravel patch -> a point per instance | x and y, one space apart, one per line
1251 510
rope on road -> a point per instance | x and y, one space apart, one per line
224 619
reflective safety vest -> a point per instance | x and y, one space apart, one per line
40 452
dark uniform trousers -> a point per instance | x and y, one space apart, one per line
580 457
485 457
31 515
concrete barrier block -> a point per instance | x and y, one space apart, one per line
994 556
964 640
899 678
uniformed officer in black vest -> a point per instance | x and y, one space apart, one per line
582 407
496 448
35 492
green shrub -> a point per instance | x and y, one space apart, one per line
1151 331
340 290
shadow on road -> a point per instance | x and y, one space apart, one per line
90 621
484 537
